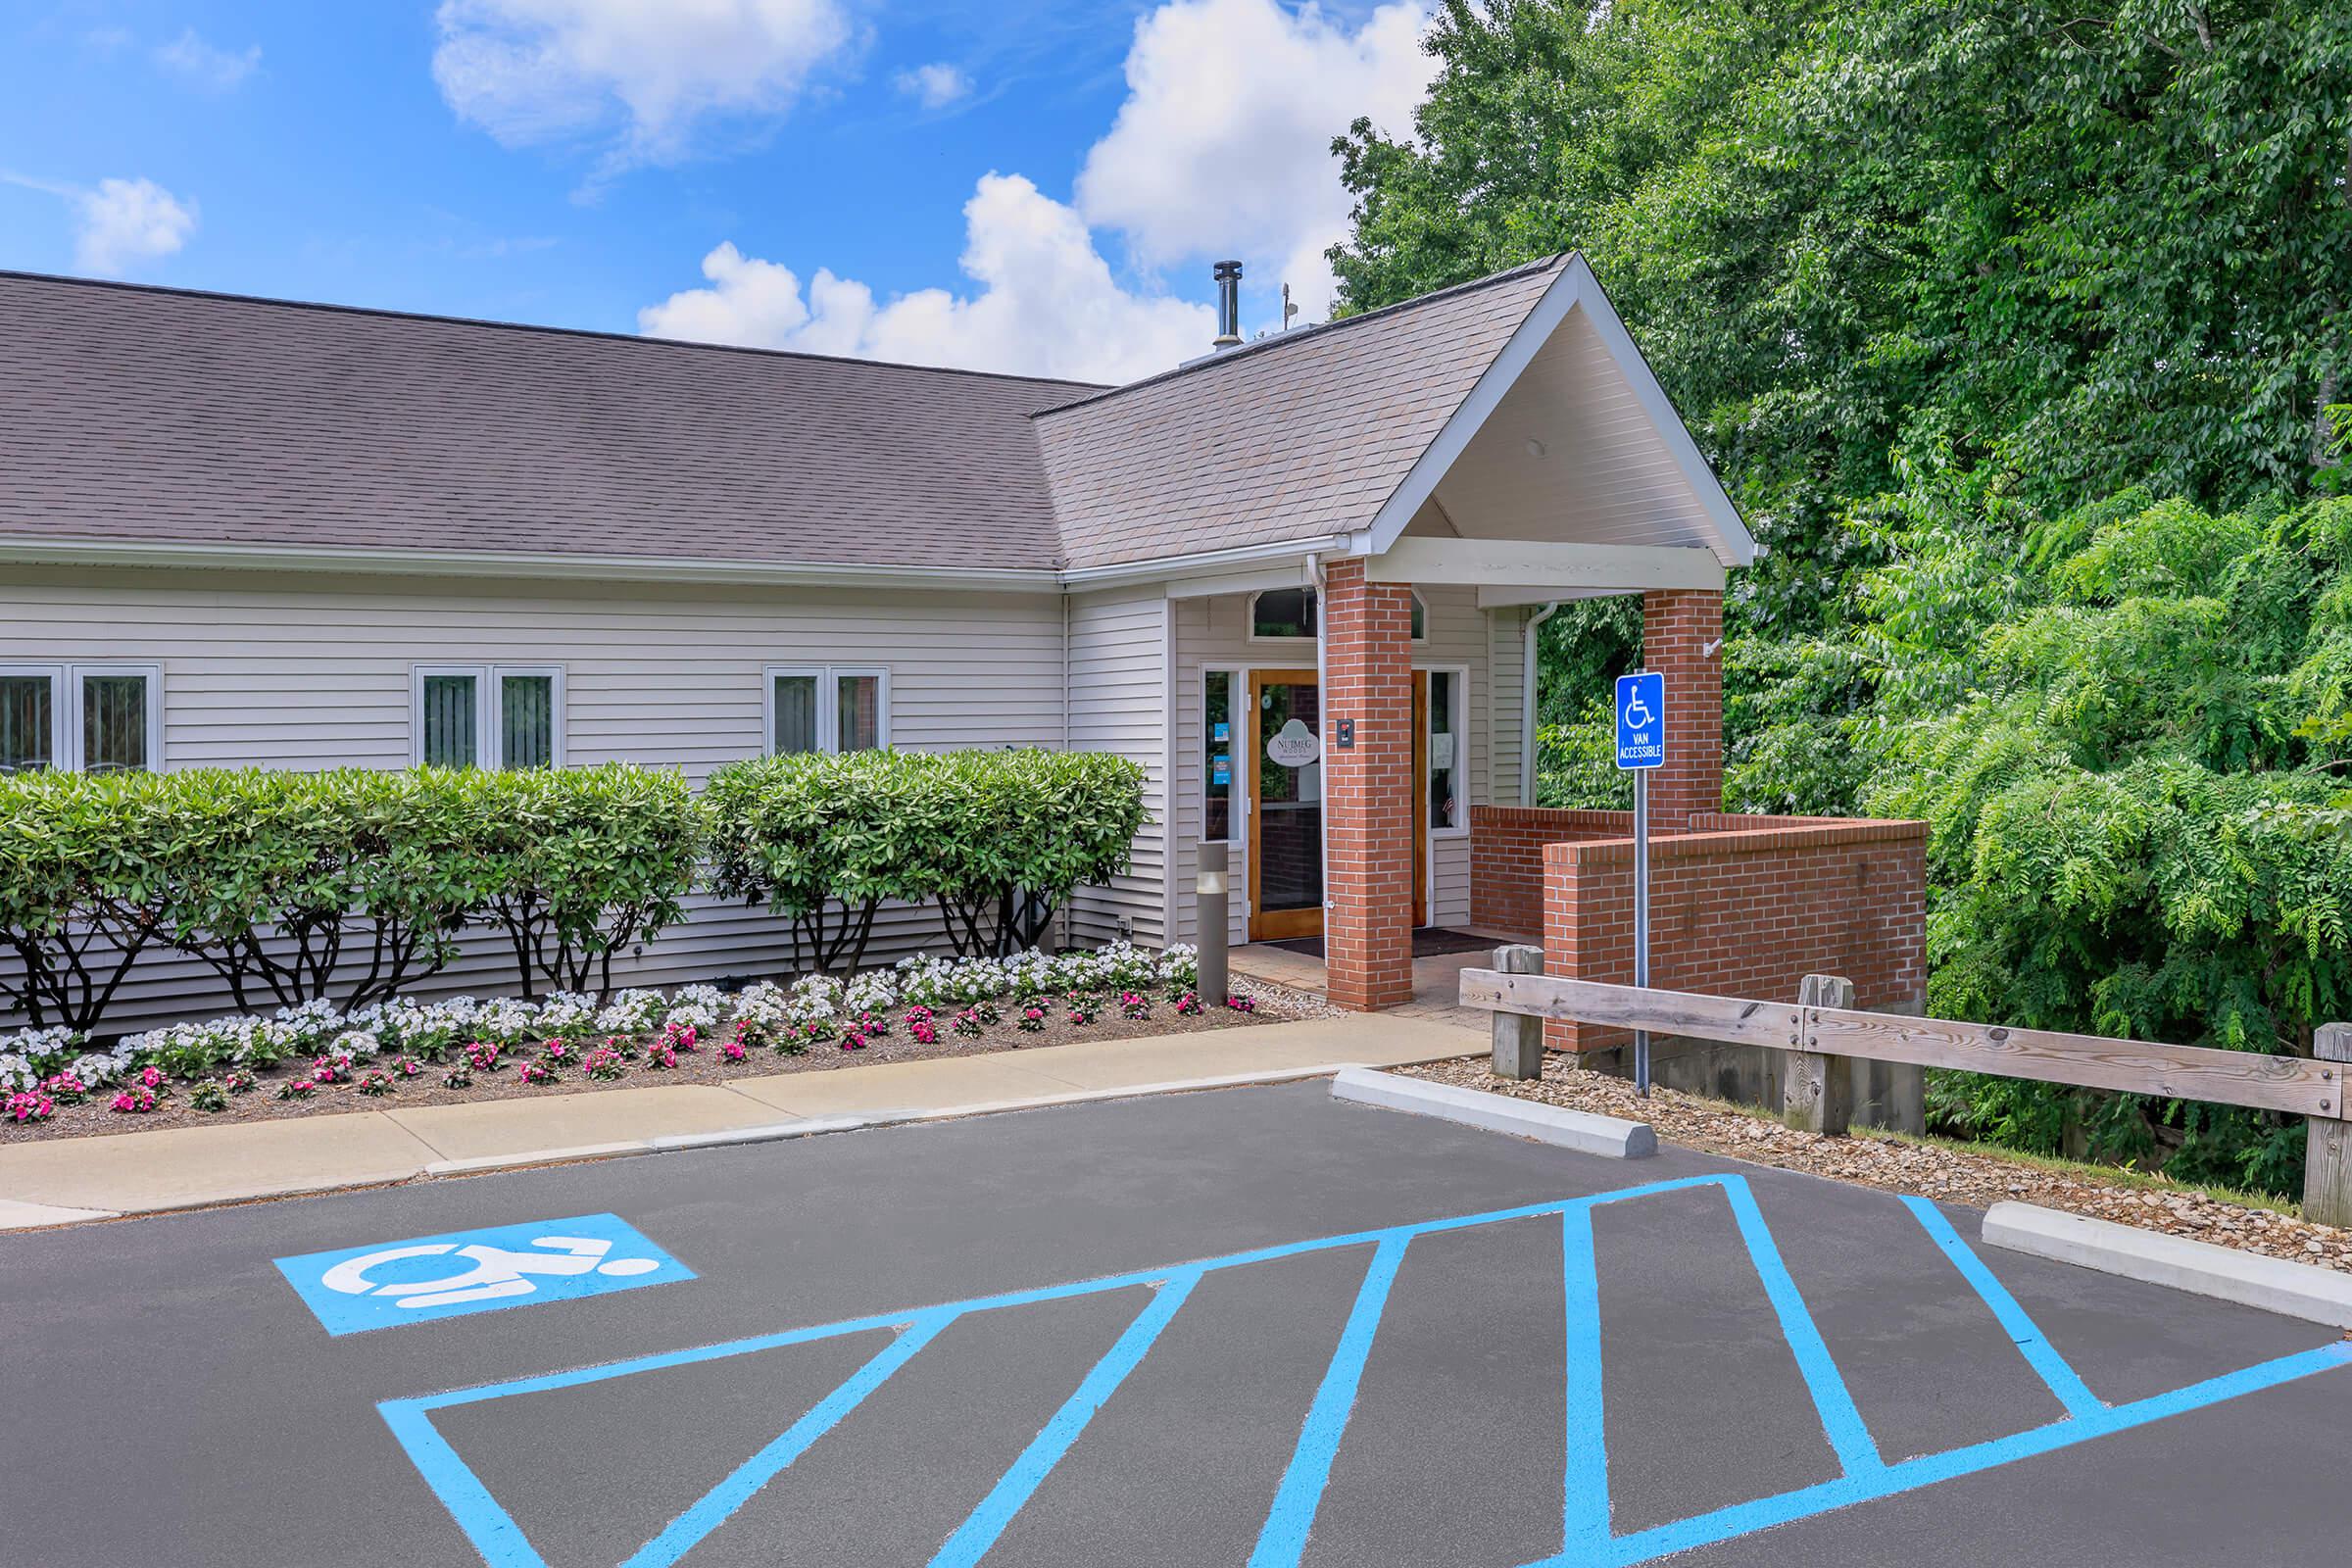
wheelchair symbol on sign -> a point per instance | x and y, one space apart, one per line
496 1271
1637 712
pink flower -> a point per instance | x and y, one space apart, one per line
151 1077
732 1049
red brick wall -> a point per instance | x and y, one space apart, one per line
1677 628
1506 859
1367 789
1745 911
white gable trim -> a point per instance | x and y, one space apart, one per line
1575 286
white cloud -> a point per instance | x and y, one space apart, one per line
1222 147
206 66
127 221
1047 304
934 86
1223 144
531 70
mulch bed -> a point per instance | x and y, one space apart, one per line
706 1065
1932 1170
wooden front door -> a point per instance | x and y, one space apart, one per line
1286 803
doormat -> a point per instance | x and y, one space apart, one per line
1430 942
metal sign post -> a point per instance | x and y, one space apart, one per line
1640 746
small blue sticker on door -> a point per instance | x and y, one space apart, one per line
387 1283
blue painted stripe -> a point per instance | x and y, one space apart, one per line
1840 1422
980 1530
1584 1494
1909 1475
1049 1292
492 1530
1282 1541
716 1506
2039 1354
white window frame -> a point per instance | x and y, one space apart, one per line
1249 617
828 702
488 697
1460 675
1237 791
66 711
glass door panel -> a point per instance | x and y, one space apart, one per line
1285 849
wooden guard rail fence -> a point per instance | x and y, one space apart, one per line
1817 1028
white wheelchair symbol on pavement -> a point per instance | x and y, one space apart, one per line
496 1271
414 1278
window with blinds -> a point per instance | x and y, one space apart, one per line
827 707
95 719
488 715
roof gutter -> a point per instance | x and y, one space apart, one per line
1161 569
515 563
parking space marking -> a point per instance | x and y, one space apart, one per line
1588 1538
2063 1381
1283 1539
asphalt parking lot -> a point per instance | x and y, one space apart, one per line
1249 1327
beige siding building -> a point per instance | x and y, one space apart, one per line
244 533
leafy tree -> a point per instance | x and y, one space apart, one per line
2019 333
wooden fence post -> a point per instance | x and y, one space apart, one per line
2328 1155
1518 1038
1816 1090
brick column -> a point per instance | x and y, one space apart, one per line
1367 790
1678 626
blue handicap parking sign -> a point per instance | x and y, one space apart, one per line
1641 719
385 1283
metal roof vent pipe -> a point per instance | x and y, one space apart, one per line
1229 305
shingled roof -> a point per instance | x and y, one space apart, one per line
1286 438
135 417
144 416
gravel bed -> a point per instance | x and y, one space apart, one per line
1927 1170
704 1065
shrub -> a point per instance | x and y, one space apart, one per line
80 895
997 840
821 840
295 887
582 863
1012 834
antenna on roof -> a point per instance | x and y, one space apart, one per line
1288 309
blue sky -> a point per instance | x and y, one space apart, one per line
1019 186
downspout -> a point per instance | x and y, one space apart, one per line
1314 572
1527 706
1065 669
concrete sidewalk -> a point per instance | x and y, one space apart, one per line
69 1179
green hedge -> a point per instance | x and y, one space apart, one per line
354 885
346 884
997 840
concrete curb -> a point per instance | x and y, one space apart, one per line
535 1156
22 1216
1557 1125
2201 1268
802 1128
810 1126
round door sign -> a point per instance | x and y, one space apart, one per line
1294 745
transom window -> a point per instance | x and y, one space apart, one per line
92 718
827 707
1287 614
489 716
